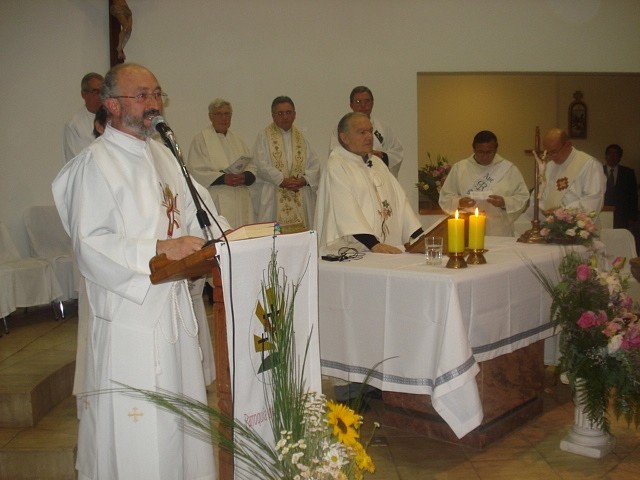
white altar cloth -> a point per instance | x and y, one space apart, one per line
432 325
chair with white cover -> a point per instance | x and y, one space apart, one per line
620 242
24 282
49 241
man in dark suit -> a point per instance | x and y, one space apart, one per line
622 189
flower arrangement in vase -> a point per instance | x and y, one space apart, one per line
599 337
569 226
431 177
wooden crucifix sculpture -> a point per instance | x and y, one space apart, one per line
533 235
120 26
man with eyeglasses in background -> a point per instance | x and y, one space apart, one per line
124 200
573 179
220 160
288 171
386 145
78 132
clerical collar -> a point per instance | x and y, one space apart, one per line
367 160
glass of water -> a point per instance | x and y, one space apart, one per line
433 250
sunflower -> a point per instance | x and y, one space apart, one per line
363 460
345 422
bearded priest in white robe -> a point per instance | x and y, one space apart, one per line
122 201
360 203
288 171
220 160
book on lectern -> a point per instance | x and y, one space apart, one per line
253 230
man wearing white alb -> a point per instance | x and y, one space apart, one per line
219 160
573 179
386 145
78 132
360 204
122 201
288 170
489 182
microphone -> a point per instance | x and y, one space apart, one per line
158 122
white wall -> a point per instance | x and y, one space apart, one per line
250 51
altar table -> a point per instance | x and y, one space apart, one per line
430 326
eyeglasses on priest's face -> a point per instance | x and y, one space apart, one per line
145 97
556 151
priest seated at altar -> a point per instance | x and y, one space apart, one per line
360 203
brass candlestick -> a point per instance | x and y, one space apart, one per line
456 260
476 257
533 235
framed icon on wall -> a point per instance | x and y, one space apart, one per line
577 117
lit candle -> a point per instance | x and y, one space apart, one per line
476 231
455 229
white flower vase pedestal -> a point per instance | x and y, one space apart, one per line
584 438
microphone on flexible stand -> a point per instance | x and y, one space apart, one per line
169 139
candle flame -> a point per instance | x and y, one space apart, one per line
456 214
477 211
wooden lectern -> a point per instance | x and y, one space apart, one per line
198 264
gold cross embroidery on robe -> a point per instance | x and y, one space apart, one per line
134 414
170 203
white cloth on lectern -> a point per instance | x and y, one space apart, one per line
242 288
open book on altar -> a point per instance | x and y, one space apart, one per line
238 166
254 230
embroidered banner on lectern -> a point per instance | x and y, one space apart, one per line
242 285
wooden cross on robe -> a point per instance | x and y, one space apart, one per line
120 26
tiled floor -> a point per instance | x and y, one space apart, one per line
531 451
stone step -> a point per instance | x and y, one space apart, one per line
38 424
37 372
44 452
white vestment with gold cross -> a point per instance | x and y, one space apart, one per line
279 154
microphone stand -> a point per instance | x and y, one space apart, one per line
203 219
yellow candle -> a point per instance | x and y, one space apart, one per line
476 231
455 229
